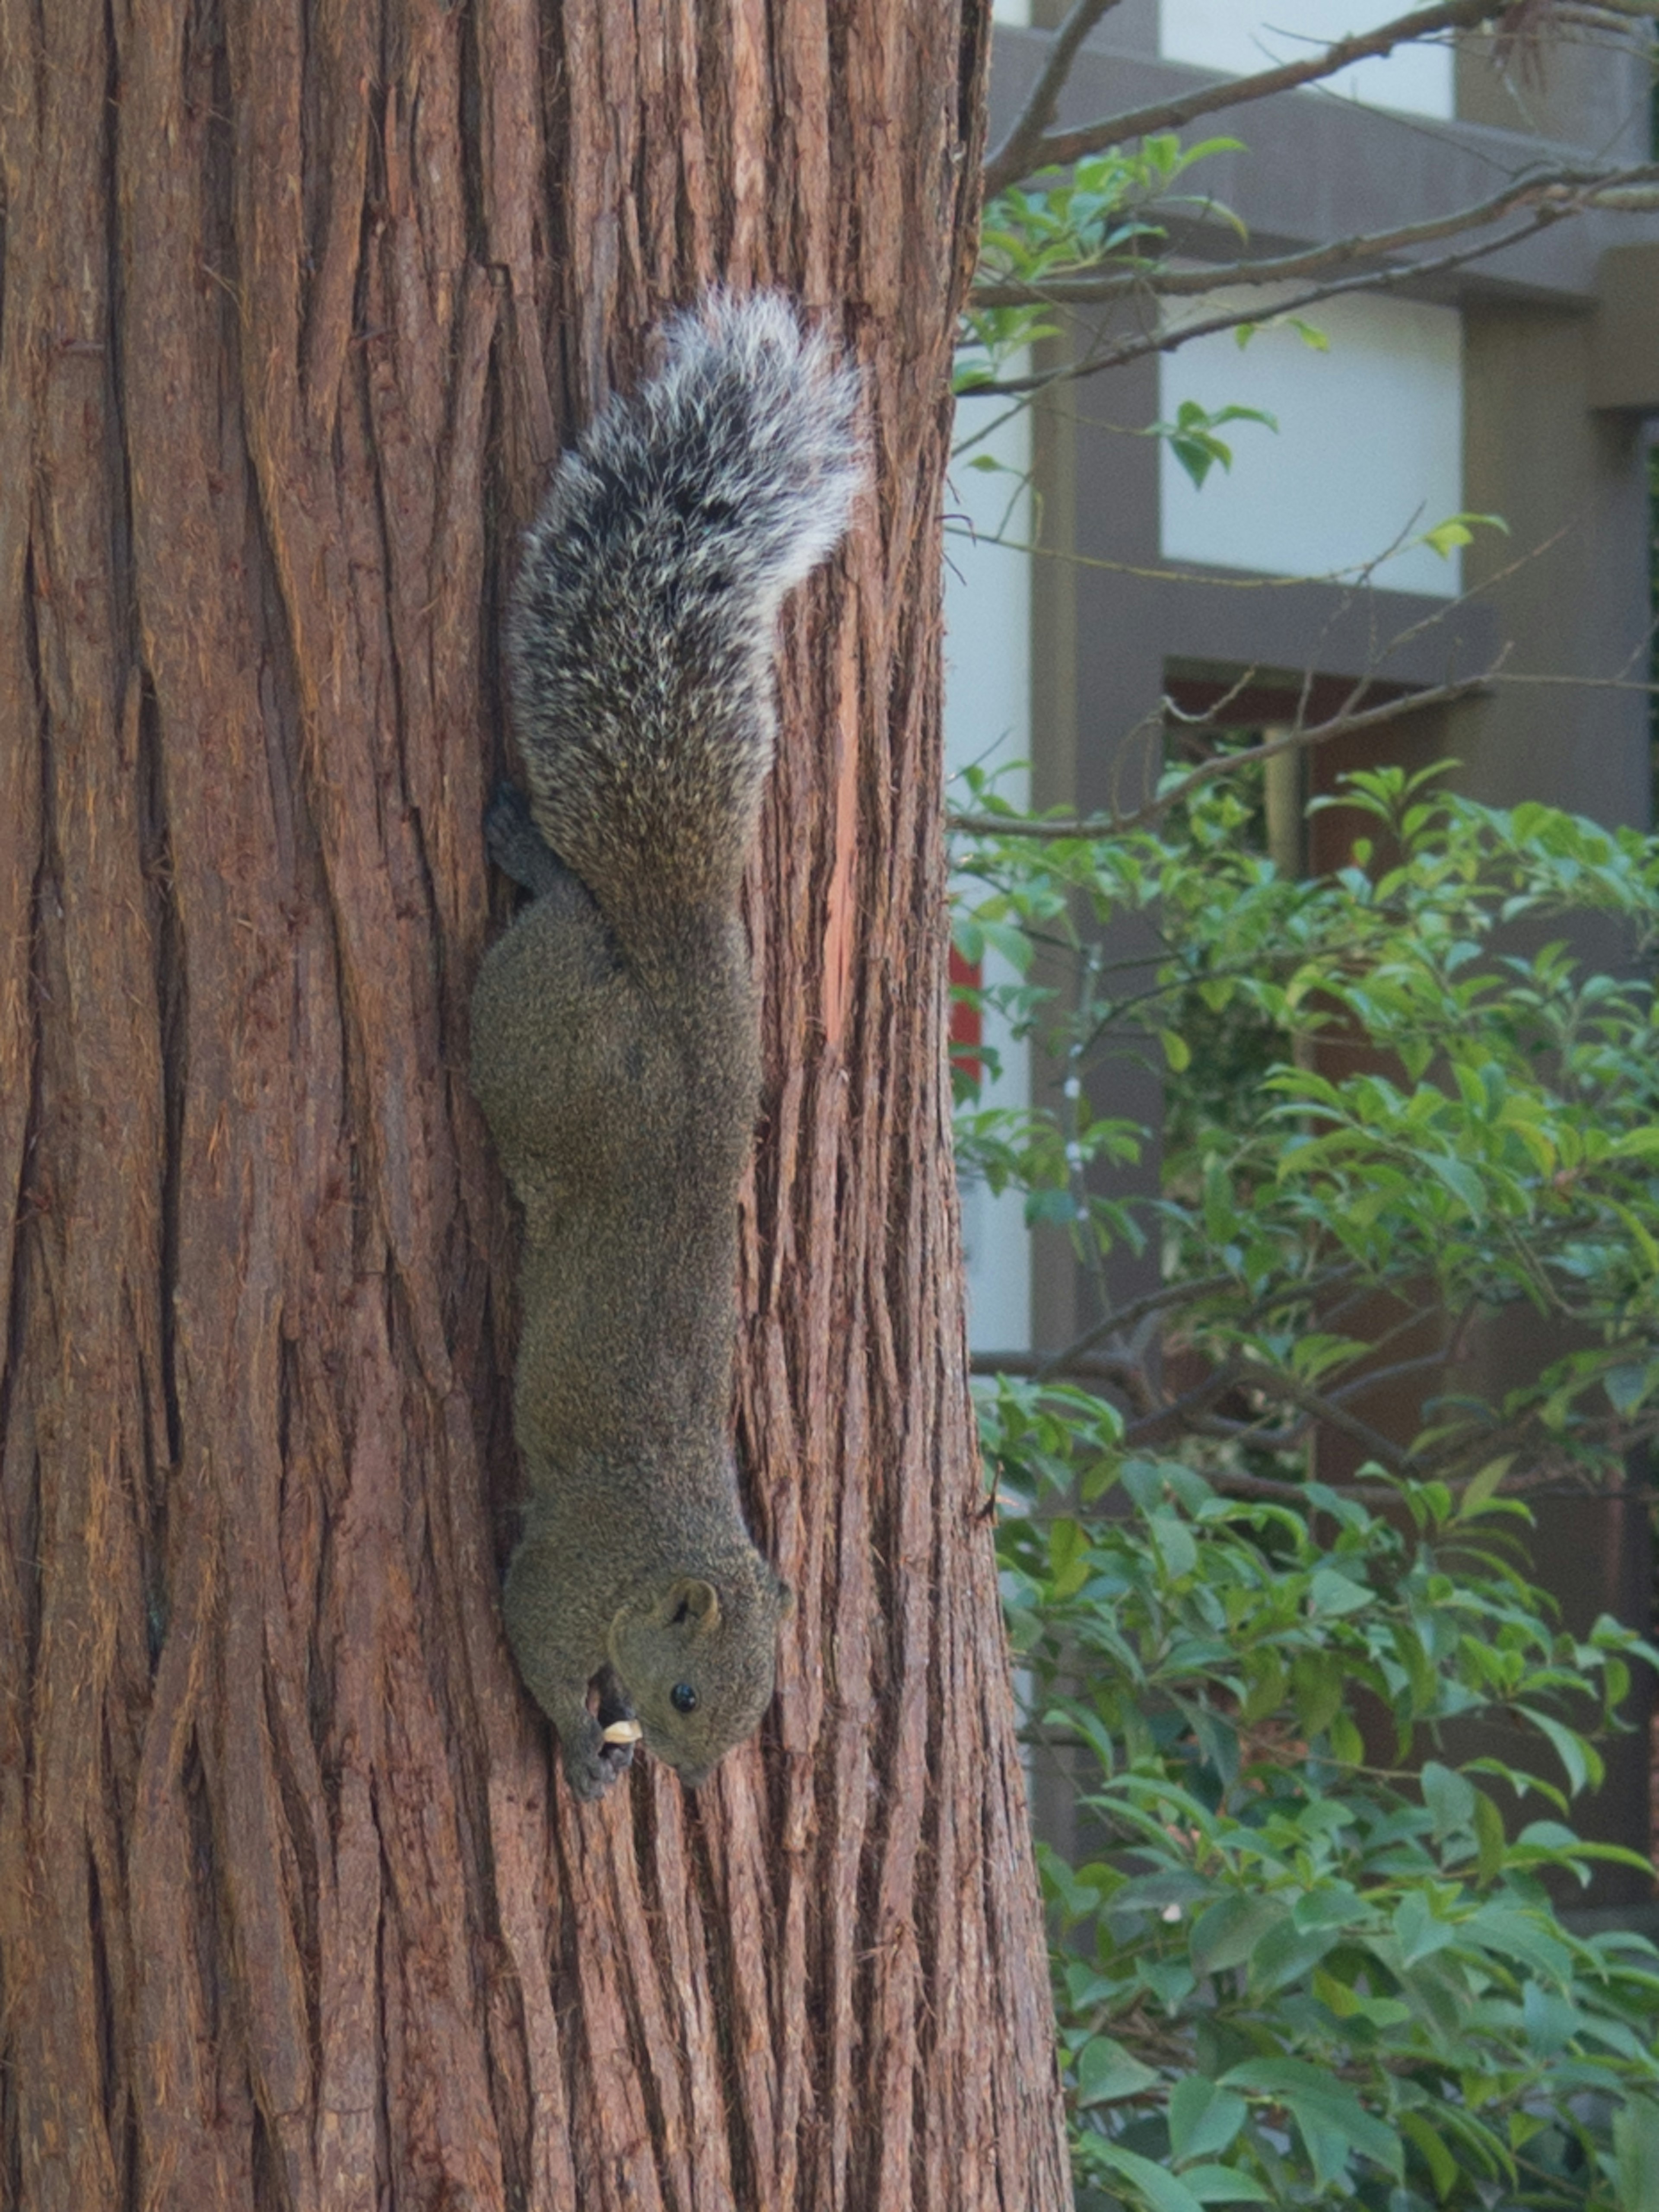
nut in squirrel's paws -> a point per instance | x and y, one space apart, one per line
616 1732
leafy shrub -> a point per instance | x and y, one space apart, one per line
1501 1149
1307 1959
1290 1975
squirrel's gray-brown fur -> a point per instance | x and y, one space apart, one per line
615 1045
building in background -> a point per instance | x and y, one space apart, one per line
1523 385
988 612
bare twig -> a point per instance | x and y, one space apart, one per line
1124 1317
1252 1432
1114 825
1580 682
1182 1412
1237 1482
1055 148
1488 584
1372 1441
1093 1367
1019 152
1218 579
1374 1377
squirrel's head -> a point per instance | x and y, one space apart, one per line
696 1662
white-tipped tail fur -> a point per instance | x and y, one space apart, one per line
640 634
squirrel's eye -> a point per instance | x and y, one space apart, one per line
683 1698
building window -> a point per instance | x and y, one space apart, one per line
1369 454
1243 36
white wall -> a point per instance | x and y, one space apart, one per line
987 720
1011 11
1370 443
1243 36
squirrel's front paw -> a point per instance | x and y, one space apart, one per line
593 1764
590 1768
602 1746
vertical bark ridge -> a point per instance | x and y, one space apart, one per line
81 1145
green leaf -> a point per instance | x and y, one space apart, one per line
1157 2187
1069 1562
1226 2184
1347 2003
1347 1745
1626 1387
1316 1684
1574 1753
1418 1930
1489 1838
1267 1683
1482 1486
1552 2021
1446 536
1524 1935
1635 2155
1444 2169
1229 1930
1450 1798
1014 944
1286 1953
1198 456
1335 1594
1459 529
1176 1545
1331 2119
1461 1179
1106 2071
1203 2120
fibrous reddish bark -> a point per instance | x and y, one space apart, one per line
300 298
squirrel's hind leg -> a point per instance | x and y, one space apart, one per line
517 845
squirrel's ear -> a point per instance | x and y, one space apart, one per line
695 1601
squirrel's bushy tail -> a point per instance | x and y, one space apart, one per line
640 634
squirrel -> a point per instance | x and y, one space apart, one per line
615 1045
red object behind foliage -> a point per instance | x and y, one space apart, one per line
967 1028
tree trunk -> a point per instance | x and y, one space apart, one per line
300 299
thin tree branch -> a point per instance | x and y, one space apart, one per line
1114 825
1237 1482
1413 1317
1217 1427
1115 354
1581 682
1374 1377
1182 1411
1055 148
1124 1317
1035 1366
1017 156
1371 1440
1083 289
